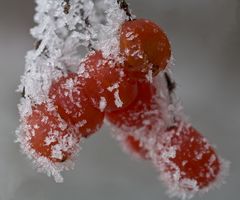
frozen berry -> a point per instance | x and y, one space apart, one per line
106 83
140 113
191 159
48 135
74 106
145 47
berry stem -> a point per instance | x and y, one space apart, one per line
66 6
171 85
124 6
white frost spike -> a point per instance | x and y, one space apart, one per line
118 101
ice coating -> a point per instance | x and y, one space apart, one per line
60 32
107 84
49 141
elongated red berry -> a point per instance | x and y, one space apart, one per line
74 106
145 47
189 160
106 82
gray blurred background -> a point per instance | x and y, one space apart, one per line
205 38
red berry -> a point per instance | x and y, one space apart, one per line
145 47
106 83
140 112
74 106
49 135
133 146
195 159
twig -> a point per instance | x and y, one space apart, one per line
37 44
124 6
23 93
171 85
66 6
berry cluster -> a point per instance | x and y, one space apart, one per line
133 90
78 101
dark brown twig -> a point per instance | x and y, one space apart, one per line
171 85
23 93
66 6
124 6
37 44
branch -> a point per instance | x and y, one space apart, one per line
124 6
66 6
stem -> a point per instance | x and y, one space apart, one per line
23 93
66 6
124 6
171 85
